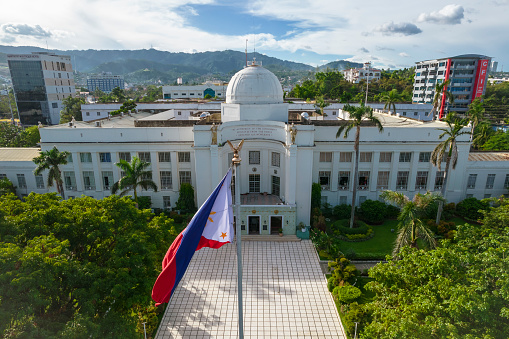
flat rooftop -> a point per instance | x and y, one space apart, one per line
488 156
18 154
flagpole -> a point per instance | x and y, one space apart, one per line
236 162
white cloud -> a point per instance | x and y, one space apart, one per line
404 28
35 31
404 55
449 15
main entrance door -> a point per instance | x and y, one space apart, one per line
276 224
254 225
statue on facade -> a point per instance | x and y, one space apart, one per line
293 133
213 129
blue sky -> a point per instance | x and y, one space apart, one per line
390 34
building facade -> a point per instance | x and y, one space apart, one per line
105 82
467 73
215 90
41 81
366 73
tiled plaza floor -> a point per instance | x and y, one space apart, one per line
285 295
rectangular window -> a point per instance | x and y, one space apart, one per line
39 181
185 177
421 181
22 183
124 156
402 181
506 182
147 176
166 202
362 198
344 180
69 158
3 176
471 180
365 156
86 157
439 180
184 156
164 156
385 157
144 156
490 180
105 157
89 180
276 185
383 180
324 179
325 156
166 183
345 157
405 156
254 183
363 180
254 157
276 159
487 196
70 181
342 200
107 177
424 156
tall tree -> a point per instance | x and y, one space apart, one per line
475 114
447 148
72 108
6 187
482 134
357 115
320 104
135 174
411 226
440 91
390 99
52 160
118 94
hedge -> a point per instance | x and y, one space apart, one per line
343 227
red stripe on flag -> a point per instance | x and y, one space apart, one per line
166 280
204 242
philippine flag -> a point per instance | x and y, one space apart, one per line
211 226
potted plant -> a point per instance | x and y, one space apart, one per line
280 231
302 227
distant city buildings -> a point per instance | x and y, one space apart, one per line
355 75
41 81
468 75
195 92
105 82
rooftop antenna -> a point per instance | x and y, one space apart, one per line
246 52
47 48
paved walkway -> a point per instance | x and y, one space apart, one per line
285 295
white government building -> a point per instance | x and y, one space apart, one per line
283 154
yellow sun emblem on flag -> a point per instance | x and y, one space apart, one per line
210 219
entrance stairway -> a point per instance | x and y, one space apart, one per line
275 238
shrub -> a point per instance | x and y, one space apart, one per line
316 195
470 207
356 314
144 202
342 227
319 223
372 211
346 294
342 211
391 212
359 236
185 202
176 217
342 272
327 210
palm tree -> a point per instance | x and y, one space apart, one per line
135 174
475 114
320 104
390 98
482 134
448 146
51 160
357 115
440 90
410 226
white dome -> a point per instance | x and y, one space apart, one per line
254 85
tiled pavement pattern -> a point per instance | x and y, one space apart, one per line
285 295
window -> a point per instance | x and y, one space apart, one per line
324 179
89 180
86 157
343 180
383 180
506 182
54 105
366 156
3 176
345 157
184 156
325 156
124 156
487 196
164 156
185 177
22 183
147 176
490 180
421 181
342 200
424 156
362 198
69 158
254 183
276 159
276 185
254 157
144 156
385 157
107 177
471 180
98 113
39 181
166 202
439 180
70 181
166 183
405 156
105 157
402 180
363 180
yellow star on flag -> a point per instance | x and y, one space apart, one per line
210 219
223 235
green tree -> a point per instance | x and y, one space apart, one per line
411 226
6 187
482 134
320 104
357 115
475 114
118 94
72 108
185 202
390 99
127 106
499 141
447 148
316 195
440 92
135 175
15 136
52 160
